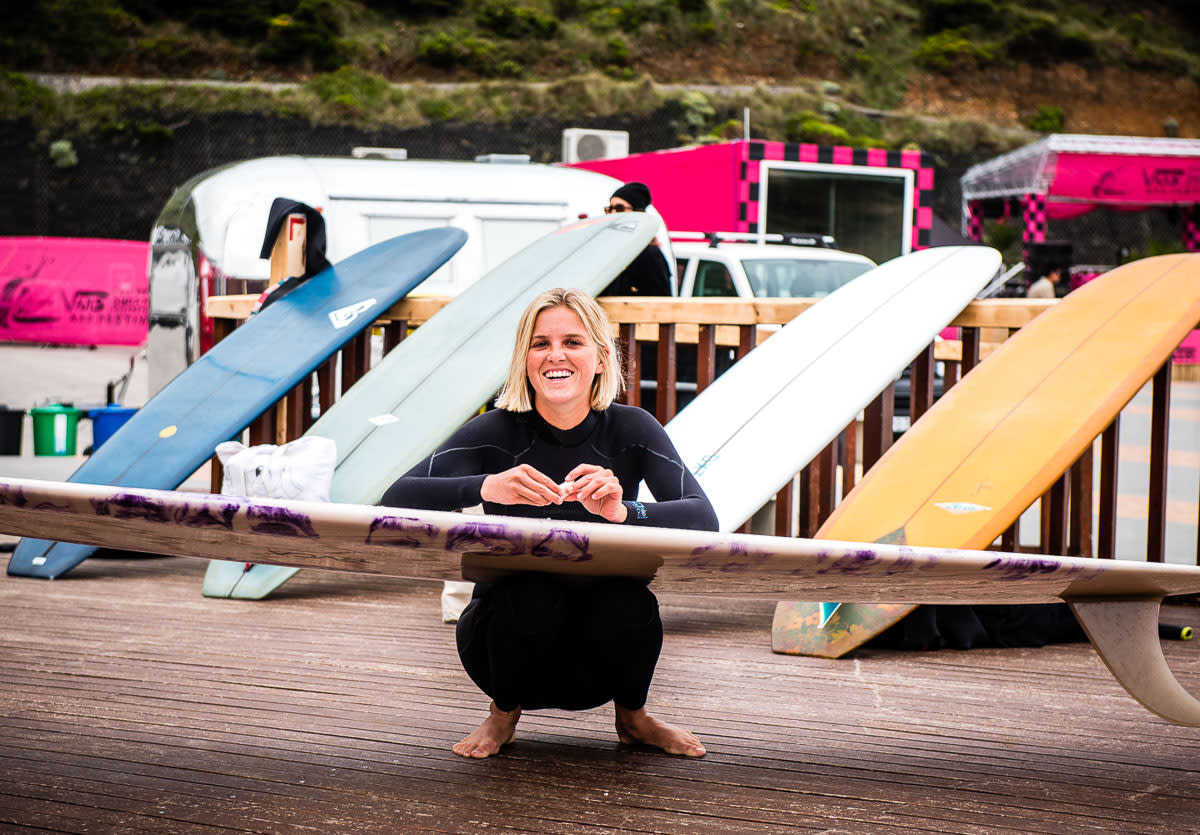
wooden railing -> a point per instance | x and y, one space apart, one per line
713 325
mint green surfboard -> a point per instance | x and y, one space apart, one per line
438 377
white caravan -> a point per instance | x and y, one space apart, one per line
208 237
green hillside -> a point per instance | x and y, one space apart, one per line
833 72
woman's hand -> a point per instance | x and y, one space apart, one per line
521 485
598 490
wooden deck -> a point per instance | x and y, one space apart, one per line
128 702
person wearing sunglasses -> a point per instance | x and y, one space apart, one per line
648 273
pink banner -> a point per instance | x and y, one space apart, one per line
1188 352
73 291
1109 179
694 189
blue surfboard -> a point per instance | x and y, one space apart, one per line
434 380
221 393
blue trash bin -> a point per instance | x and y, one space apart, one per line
106 420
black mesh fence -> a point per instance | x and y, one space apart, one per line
1107 237
122 177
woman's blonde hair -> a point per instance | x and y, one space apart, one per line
517 394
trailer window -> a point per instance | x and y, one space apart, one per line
867 211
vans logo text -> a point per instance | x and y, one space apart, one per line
345 315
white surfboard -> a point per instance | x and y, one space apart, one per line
762 421
1116 601
436 379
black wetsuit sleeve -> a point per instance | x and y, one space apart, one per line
647 275
680 502
451 477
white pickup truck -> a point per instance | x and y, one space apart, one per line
762 266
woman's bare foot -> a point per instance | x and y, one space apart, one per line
638 726
496 731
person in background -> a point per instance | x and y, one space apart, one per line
557 446
648 274
1044 287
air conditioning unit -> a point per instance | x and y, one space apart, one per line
583 144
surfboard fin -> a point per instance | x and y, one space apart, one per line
1125 634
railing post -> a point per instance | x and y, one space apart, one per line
849 457
667 373
921 389
1156 523
631 359
972 347
393 334
706 357
1106 546
1054 514
1080 529
877 426
784 509
326 381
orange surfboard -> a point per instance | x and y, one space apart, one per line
1001 437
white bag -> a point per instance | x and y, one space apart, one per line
300 469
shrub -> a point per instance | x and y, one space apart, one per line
422 8
310 33
441 49
510 68
155 133
1047 119
511 21
618 51
19 93
1042 40
351 86
435 110
697 110
941 15
805 126
236 18
62 154
74 32
565 9
1001 235
947 52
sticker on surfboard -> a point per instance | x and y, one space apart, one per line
959 508
827 612
343 316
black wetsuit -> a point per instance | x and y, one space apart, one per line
536 640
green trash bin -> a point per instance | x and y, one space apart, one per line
54 429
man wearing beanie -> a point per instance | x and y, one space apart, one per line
648 273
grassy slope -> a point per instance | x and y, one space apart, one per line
950 74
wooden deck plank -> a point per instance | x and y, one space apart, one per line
129 702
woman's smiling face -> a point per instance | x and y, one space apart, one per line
561 364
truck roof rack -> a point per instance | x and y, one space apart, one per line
810 239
